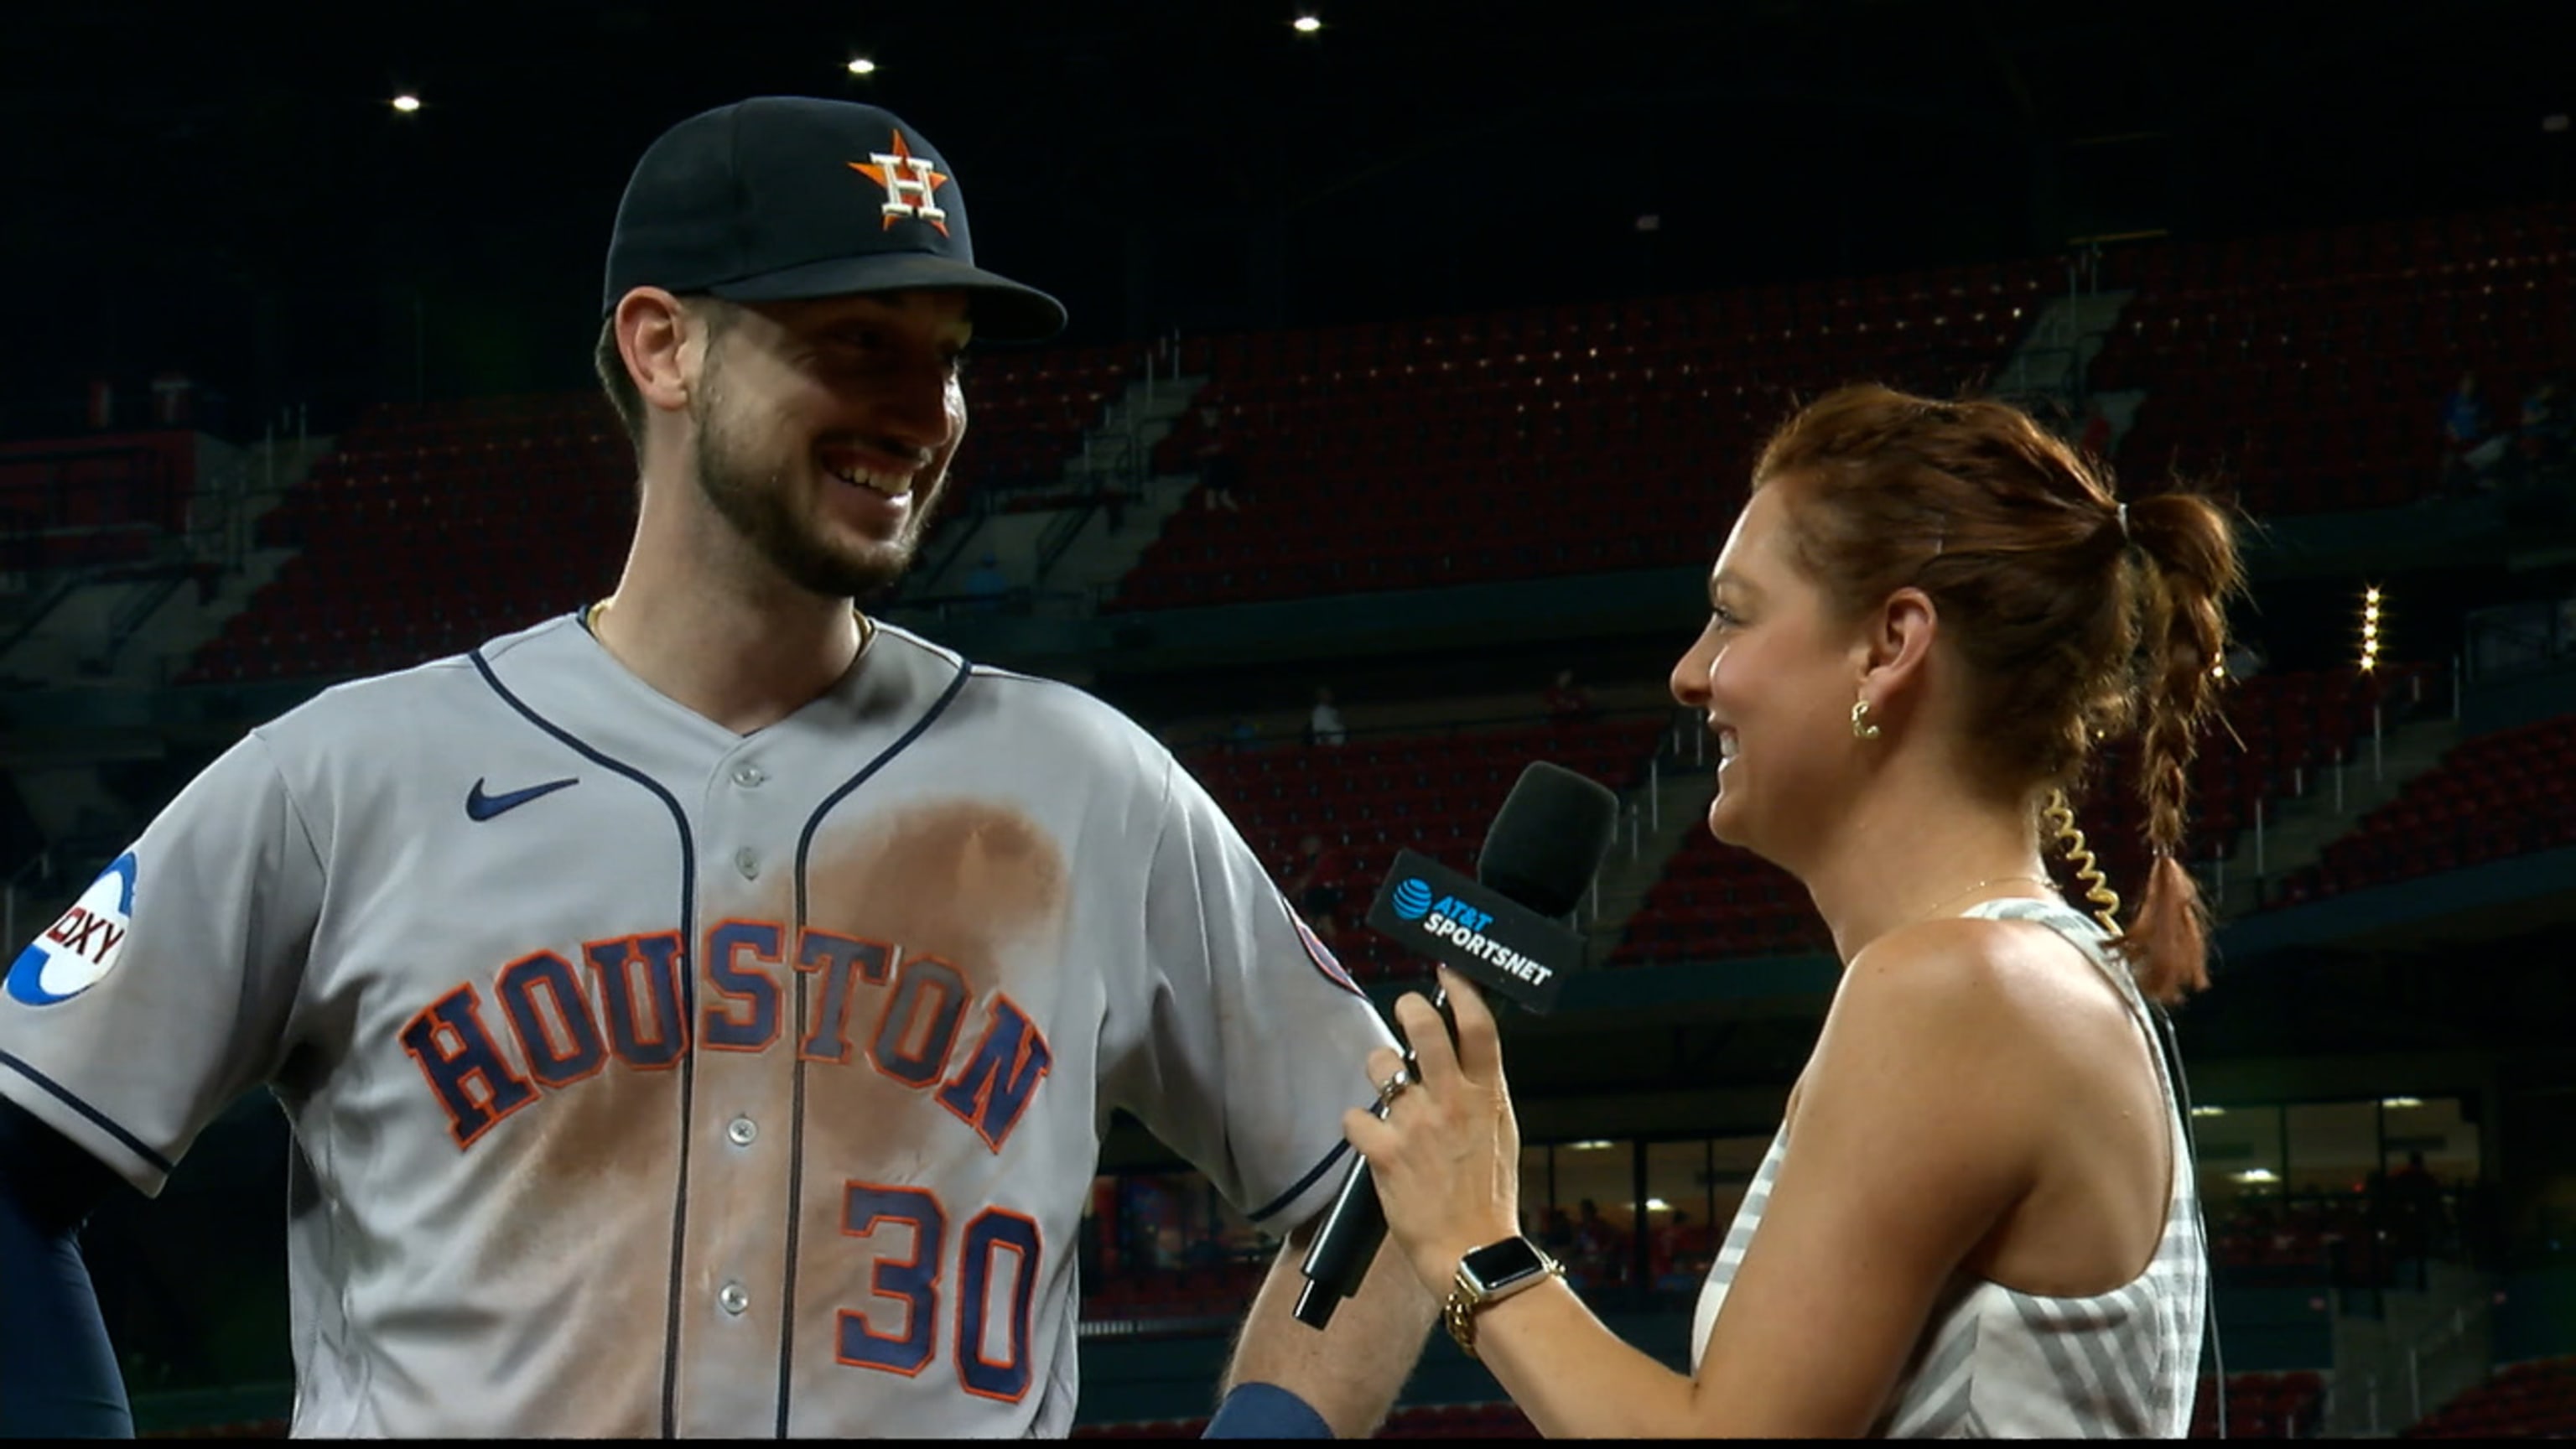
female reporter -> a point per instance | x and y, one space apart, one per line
1978 1216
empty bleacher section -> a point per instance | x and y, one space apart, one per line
90 502
2306 371
1026 414
2497 795
2262 1406
1521 444
1187 1297
2265 1240
1434 791
1538 442
2534 1400
1714 900
2311 368
435 526
431 528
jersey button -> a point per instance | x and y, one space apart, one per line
748 776
732 1299
747 860
741 1130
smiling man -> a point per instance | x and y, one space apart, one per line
698 1012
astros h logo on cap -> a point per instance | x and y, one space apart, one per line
910 182
762 201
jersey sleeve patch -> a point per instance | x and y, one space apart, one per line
82 947
1325 961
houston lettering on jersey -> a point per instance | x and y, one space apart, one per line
556 1023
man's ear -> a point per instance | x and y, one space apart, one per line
663 347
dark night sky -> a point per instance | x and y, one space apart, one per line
224 190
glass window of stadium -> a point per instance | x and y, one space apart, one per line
1582 1201
1588 1213
2239 1153
2437 1127
2333 1147
2330 1149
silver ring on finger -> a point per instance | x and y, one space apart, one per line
1393 1087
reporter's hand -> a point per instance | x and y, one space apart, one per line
1446 1157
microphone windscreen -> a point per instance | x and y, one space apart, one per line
1549 839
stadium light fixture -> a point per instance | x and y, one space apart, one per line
861 65
2208 1111
2369 629
1306 24
406 103
1595 1145
1658 1205
2256 1174
2401 1102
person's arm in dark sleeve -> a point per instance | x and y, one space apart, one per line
58 1374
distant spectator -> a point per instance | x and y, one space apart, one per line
1566 700
1241 734
1557 1235
985 584
1219 469
1324 726
1314 883
2471 447
1669 1244
2464 416
1598 1245
2415 1201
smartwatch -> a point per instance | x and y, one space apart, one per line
1489 1275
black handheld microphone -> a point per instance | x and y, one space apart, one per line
1505 930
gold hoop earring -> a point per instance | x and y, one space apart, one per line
1862 729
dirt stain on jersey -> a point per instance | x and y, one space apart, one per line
982 886
966 880
586 1178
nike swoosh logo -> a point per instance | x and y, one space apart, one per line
479 806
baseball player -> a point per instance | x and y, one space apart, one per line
699 1013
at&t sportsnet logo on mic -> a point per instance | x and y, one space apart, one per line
1436 912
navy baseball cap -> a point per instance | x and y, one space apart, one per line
781 197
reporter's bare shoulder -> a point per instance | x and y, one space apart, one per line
1968 970
1924 1082
2008 1006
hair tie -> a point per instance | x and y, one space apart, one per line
2124 521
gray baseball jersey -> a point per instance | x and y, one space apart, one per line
655 1079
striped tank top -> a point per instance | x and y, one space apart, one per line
1993 1362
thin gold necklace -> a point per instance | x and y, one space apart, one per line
591 616
1972 890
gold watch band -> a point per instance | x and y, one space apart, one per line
1464 1303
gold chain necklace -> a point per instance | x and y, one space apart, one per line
1981 885
591 616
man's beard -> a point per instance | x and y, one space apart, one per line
757 507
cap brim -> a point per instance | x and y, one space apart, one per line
1003 310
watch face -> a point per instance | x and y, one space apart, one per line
1499 1265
